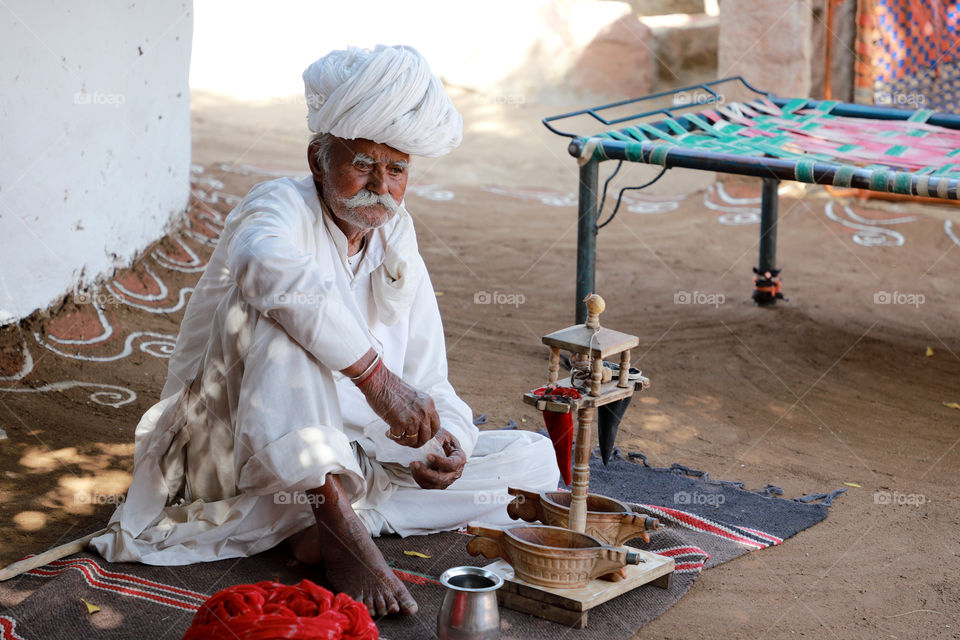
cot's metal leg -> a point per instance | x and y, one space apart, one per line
767 281
586 237
768 225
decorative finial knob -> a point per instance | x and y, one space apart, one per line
595 306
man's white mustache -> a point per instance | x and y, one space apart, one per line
366 198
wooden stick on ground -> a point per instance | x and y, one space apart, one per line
48 556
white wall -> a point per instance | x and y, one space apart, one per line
94 139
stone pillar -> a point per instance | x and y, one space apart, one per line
769 43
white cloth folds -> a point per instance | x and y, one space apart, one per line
255 411
396 281
387 95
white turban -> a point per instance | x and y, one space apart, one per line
387 95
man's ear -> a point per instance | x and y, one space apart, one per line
316 167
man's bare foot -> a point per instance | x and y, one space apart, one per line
352 562
360 571
305 546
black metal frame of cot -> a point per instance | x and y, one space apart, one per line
770 170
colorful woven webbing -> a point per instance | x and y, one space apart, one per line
894 151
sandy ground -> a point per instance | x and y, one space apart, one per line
832 387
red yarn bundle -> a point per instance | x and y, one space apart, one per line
271 611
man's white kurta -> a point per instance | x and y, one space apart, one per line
255 411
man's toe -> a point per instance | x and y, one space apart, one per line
369 603
408 606
392 605
381 605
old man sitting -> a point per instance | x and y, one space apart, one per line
311 363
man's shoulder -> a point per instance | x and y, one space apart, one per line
283 190
284 196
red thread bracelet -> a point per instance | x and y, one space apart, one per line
369 375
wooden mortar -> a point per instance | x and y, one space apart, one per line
550 556
608 520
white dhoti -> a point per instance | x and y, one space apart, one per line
255 412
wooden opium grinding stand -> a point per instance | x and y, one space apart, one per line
538 562
592 343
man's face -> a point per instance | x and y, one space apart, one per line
365 181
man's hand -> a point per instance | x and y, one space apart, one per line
412 418
441 472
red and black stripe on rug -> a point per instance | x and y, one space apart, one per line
707 522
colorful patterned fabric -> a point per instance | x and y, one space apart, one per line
909 54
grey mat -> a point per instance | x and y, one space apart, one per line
708 522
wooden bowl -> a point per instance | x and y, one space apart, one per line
550 556
608 520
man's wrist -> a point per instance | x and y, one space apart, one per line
376 384
361 365
367 373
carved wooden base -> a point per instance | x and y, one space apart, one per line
571 606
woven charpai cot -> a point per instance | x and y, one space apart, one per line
900 154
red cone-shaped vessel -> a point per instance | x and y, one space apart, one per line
560 428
